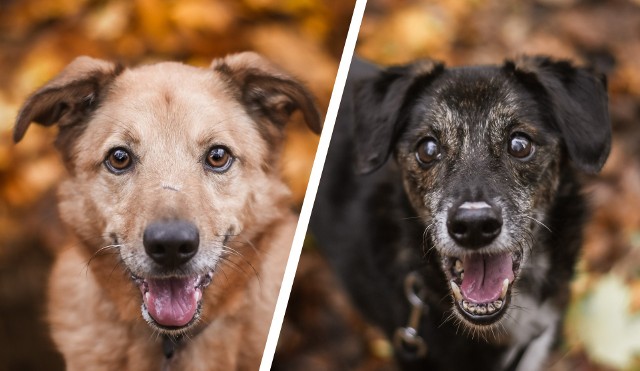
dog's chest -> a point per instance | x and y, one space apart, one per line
532 324
533 331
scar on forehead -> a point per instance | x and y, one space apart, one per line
167 97
170 187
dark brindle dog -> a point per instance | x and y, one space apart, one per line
463 246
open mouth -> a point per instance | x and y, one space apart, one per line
481 284
172 303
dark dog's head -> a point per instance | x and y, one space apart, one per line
481 151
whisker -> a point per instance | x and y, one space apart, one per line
224 274
114 268
539 222
102 252
234 252
411 218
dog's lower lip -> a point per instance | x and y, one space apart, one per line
480 312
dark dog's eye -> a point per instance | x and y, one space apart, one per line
428 151
219 159
118 160
520 146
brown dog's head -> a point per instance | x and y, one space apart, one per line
174 170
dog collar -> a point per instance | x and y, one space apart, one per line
406 340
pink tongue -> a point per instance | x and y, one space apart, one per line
172 302
484 275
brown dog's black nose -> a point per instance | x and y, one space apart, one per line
171 243
474 224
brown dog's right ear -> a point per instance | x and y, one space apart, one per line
68 97
378 104
267 90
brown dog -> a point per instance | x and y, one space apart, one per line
177 202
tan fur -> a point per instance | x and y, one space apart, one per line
169 115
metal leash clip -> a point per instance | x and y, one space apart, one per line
406 339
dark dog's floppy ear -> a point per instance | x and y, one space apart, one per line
578 101
378 105
68 97
268 91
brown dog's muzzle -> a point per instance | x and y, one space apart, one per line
172 301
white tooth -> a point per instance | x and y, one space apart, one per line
472 308
146 296
505 287
456 291
482 309
458 266
497 304
465 305
198 295
491 308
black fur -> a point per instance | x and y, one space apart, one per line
369 218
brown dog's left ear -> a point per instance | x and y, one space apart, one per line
68 97
267 90
577 99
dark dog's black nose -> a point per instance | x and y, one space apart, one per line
474 224
171 243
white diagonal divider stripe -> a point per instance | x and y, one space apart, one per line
312 187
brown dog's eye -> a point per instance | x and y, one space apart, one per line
520 146
219 159
118 160
428 151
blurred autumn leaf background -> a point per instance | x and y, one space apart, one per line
39 37
602 329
